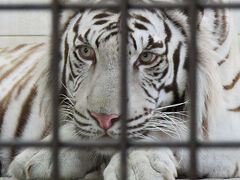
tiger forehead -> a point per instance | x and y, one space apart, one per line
99 26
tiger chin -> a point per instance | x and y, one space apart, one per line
158 103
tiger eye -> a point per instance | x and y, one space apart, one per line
146 57
86 52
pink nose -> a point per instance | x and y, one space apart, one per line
105 121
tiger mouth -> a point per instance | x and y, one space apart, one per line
134 131
105 135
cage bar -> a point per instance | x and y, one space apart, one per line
193 87
116 6
54 74
124 87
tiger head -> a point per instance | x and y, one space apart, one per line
156 58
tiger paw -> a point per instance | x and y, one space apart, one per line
144 165
38 164
18 165
31 163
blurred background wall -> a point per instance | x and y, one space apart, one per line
34 26
23 26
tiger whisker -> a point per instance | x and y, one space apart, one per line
67 90
164 116
177 113
68 101
173 105
170 123
167 132
176 126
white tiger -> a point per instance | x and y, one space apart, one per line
158 97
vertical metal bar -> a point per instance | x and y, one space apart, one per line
124 87
55 55
193 86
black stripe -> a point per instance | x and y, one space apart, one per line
168 32
3 108
100 22
140 26
76 87
224 60
111 26
176 60
83 130
152 44
75 29
134 41
97 43
71 66
17 48
66 49
177 24
110 35
102 15
216 21
81 124
81 38
168 37
237 109
223 35
86 35
147 93
142 18
147 112
81 115
24 81
142 124
150 40
76 25
25 112
234 82
221 62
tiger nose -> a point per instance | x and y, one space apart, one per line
105 121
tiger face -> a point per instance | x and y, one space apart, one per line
91 72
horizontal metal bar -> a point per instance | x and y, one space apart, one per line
114 6
185 144
158 6
117 144
151 6
219 5
24 35
159 144
24 144
90 145
25 7
61 144
49 7
91 6
219 144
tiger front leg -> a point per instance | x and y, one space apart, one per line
35 163
73 164
149 164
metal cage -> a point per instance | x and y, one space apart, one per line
123 6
